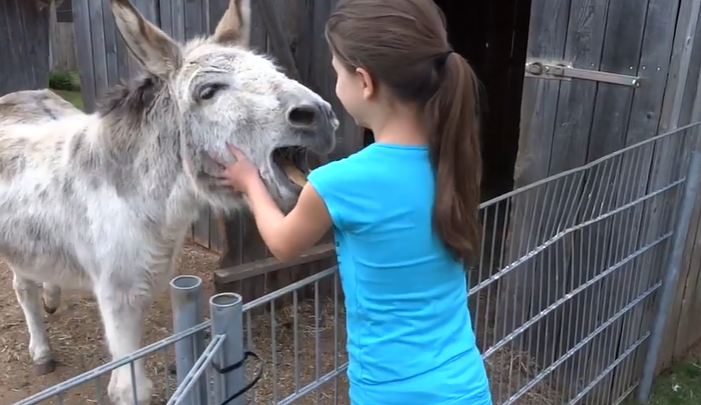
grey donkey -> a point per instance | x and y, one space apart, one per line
103 201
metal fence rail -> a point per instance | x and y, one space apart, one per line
565 295
567 300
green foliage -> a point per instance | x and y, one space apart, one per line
63 80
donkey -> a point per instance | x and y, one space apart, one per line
103 201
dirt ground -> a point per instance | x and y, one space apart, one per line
78 344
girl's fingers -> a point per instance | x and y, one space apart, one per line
236 152
222 182
217 159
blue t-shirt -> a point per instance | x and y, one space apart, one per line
410 339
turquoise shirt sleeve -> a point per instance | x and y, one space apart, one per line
331 182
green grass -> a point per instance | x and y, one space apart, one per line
72 97
679 386
67 85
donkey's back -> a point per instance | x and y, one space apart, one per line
34 107
41 220
58 219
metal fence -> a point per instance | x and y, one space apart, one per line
568 301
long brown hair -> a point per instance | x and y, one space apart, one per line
404 47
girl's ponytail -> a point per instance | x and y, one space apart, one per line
453 114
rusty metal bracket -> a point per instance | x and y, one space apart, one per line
564 71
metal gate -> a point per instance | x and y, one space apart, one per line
300 358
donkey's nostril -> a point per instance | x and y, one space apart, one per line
304 115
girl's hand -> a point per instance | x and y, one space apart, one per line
241 174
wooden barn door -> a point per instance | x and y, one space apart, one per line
595 80
292 31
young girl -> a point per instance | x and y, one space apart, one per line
404 210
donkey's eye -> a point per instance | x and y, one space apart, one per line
207 91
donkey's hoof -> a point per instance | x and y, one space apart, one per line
49 310
45 366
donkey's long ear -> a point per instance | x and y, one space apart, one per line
234 28
152 48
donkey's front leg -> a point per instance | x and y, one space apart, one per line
122 304
39 348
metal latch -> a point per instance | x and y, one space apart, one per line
565 71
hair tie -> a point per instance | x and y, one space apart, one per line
441 58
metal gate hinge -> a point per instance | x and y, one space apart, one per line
565 71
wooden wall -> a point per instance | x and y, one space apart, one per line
63 52
683 106
565 124
24 53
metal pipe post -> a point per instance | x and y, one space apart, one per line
681 228
188 311
227 319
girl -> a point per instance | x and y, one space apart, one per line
404 210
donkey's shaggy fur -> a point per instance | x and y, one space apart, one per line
103 201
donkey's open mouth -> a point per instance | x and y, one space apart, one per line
292 160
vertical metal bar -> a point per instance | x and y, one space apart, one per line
227 319
681 228
188 311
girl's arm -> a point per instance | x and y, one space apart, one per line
288 236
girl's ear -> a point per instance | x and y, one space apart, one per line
366 81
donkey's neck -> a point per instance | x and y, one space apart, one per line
139 139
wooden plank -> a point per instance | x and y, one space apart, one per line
62 47
694 333
200 229
81 18
123 56
662 210
111 38
546 39
24 46
625 26
684 67
259 33
177 18
684 58
263 266
686 301
627 233
304 42
194 21
216 10
682 309
571 132
165 11
217 237
97 37
683 314
276 37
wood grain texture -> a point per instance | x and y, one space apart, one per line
24 52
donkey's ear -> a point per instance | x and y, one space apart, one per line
152 48
234 28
